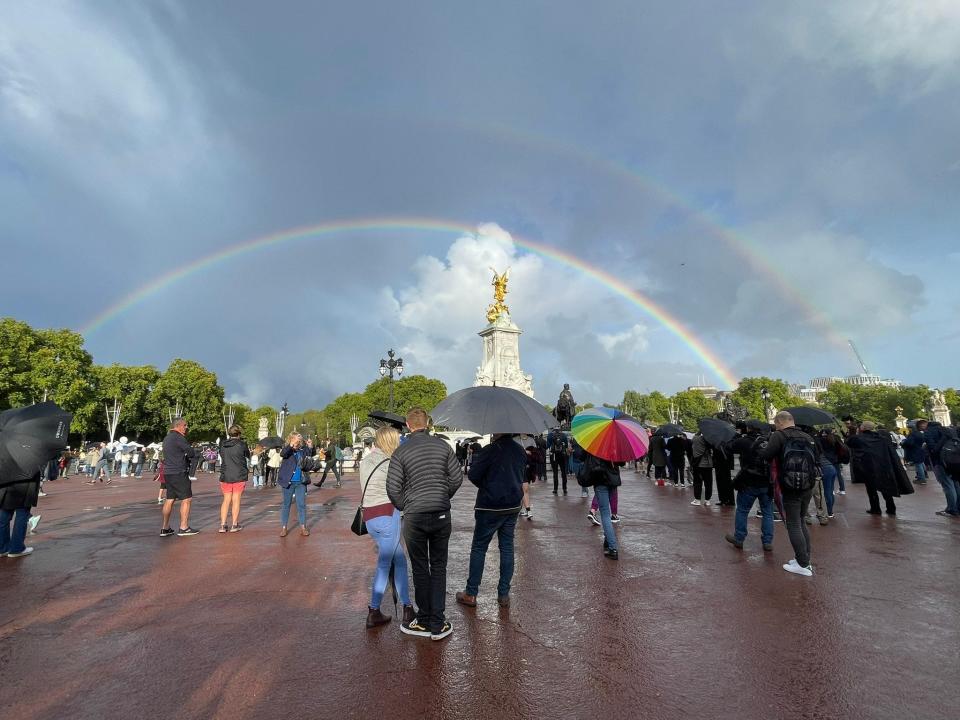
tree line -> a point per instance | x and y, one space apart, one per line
42 364
863 402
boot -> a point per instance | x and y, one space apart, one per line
409 614
375 618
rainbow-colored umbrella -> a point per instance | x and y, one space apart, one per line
610 434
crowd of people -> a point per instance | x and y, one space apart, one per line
408 483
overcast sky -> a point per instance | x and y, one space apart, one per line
778 176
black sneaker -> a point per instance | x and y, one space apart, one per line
184 532
414 628
166 532
444 632
612 554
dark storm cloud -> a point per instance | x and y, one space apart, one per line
134 140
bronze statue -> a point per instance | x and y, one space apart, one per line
500 291
566 406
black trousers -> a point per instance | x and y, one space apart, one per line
332 465
724 485
427 536
703 482
676 472
795 506
873 495
560 465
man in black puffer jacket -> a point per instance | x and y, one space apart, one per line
498 472
424 474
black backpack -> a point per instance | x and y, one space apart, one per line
950 455
798 464
756 465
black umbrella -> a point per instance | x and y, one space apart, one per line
30 437
272 442
487 410
806 415
716 431
669 429
389 418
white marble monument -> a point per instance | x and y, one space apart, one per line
501 345
939 409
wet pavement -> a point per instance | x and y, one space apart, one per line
108 620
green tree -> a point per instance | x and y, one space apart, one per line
130 386
17 343
197 391
408 392
748 395
46 364
692 406
653 408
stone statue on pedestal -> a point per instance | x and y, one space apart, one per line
264 428
938 408
501 344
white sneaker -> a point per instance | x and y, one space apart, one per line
843 492
706 503
695 502
193 478
42 494
796 569
26 551
32 524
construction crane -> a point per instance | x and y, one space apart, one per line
859 359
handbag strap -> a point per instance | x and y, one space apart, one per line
364 493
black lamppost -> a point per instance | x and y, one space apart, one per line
388 367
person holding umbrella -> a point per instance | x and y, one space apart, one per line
608 439
16 500
498 473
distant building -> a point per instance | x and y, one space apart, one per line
819 385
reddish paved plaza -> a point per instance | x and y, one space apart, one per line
108 620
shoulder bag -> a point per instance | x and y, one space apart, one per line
358 526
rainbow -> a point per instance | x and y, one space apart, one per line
613 283
741 246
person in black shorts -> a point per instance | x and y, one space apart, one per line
177 456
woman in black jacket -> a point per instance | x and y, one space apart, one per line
234 455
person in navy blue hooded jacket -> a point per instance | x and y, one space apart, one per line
498 473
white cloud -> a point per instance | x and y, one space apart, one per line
881 35
556 307
631 343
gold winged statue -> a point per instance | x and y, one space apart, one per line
500 291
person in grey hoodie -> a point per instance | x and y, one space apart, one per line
234 456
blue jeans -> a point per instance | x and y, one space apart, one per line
745 500
13 543
298 491
921 469
603 500
385 531
488 523
124 467
951 489
840 482
829 477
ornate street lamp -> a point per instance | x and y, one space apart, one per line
388 367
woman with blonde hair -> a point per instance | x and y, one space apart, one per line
291 479
383 523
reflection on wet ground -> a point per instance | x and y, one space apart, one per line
108 620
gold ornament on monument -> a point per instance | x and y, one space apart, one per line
499 308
